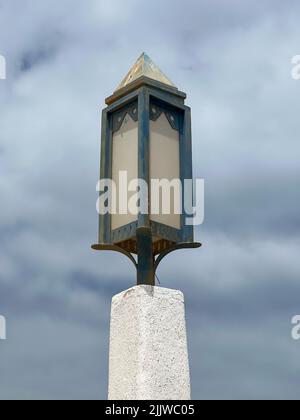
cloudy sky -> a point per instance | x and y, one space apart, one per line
233 58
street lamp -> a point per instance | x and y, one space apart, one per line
146 134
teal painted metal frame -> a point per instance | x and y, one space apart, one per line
144 96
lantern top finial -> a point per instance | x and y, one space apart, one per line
147 68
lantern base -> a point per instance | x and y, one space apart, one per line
158 245
147 262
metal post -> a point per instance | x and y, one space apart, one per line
145 269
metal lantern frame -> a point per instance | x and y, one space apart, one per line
137 99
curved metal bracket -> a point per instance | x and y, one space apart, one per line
177 247
106 247
140 265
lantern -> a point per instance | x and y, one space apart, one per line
146 139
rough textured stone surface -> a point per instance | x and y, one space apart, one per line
148 345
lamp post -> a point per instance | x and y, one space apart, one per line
146 132
146 140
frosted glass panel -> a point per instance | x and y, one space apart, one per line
125 158
164 164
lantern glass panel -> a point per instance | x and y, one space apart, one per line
124 158
165 164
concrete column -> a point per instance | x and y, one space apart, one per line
148 345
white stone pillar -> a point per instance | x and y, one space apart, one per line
148 357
